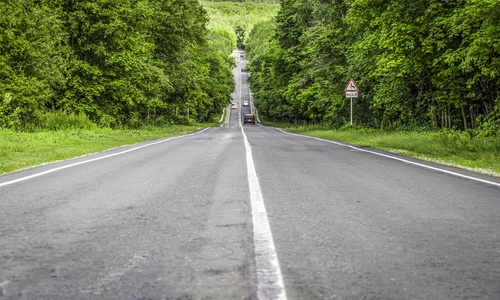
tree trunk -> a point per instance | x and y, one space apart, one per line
449 116
472 119
443 119
464 117
434 114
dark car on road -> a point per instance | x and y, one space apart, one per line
249 118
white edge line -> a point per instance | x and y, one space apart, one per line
269 278
396 158
222 116
95 159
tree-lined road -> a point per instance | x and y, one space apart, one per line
175 219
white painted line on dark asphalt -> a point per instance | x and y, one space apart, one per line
270 282
240 104
95 159
222 116
397 158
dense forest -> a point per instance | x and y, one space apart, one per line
417 63
238 18
116 63
248 1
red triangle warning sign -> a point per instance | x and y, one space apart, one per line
351 86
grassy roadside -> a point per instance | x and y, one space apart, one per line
454 148
20 150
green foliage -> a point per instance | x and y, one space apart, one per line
61 120
22 149
33 61
121 63
240 36
417 63
247 1
303 65
258 41
444 146
238 18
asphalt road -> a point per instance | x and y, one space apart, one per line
187 218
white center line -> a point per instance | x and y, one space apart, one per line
269 279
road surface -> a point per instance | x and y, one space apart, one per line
248 212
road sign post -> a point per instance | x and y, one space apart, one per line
351 91
351 112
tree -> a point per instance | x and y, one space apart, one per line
418 63
33 61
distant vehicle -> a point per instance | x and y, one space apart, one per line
249 118
234 106
245 103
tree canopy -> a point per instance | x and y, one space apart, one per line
417 63
238 17
121 63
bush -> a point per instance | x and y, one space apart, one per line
61 120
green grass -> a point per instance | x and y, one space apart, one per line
454 148
20 150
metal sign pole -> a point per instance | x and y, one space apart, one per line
351 112
351 91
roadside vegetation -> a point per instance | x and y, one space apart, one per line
121 63
417 63
451 147
239 18
428 74
63 136
20 150
94 76
81 77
